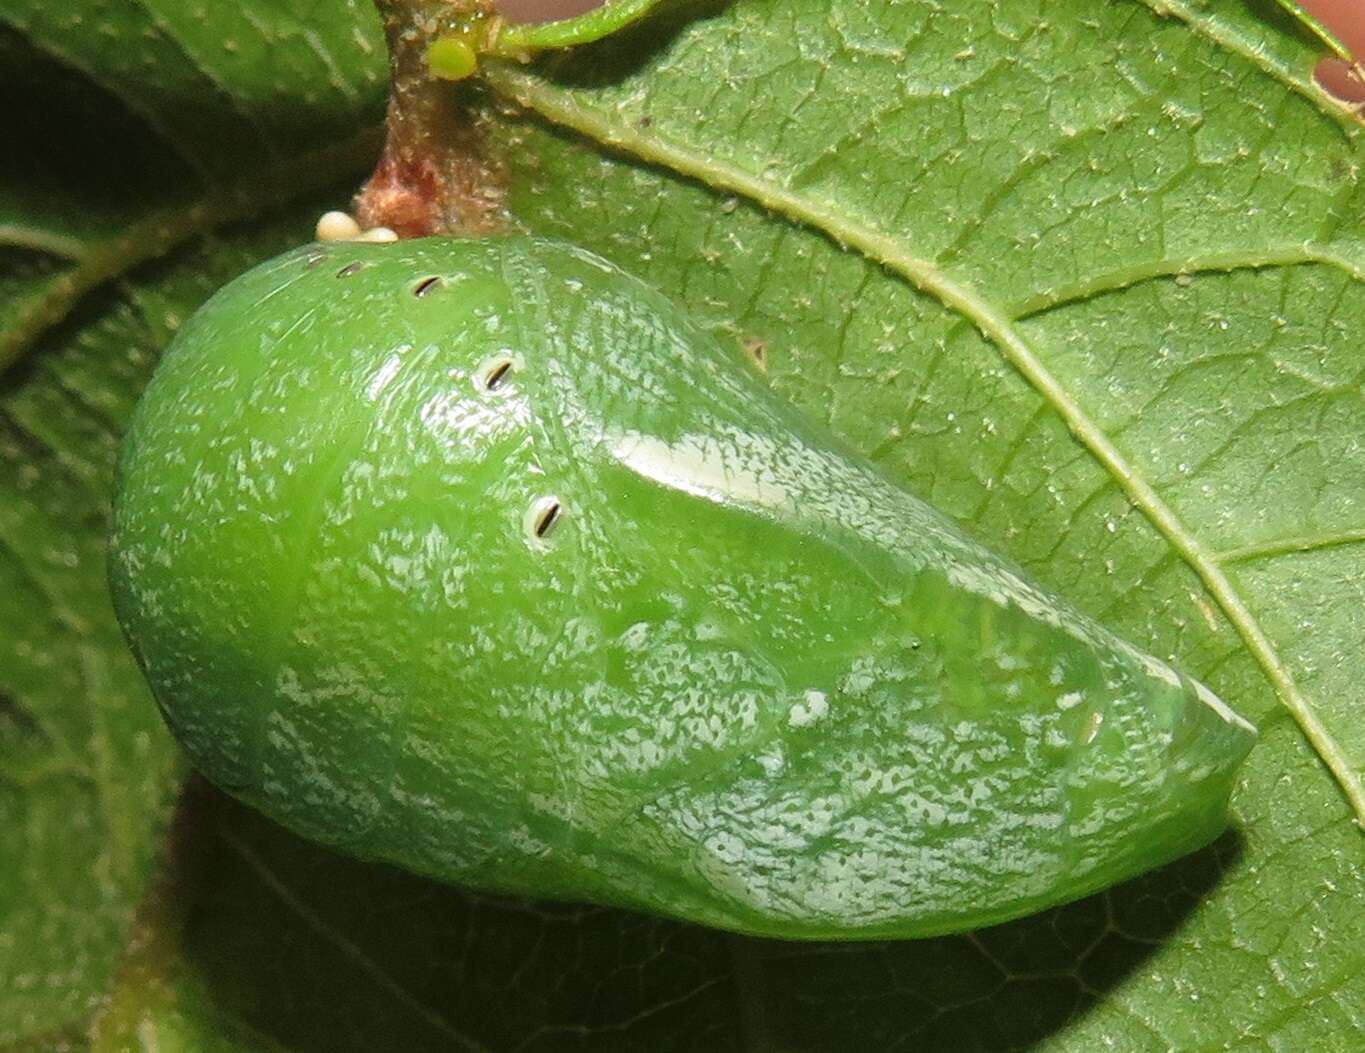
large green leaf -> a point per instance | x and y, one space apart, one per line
87 190
1086 276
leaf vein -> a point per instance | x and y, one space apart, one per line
1211 28
1290 546
997 325
161 231
349 949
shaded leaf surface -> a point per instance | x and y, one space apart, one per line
85 768
1100 305
87 772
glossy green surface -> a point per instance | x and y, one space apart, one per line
742 678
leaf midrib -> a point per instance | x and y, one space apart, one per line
157 233
997 325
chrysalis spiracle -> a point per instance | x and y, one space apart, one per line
479 557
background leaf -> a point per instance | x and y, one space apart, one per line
1086 276
89 186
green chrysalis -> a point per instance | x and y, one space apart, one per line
478 557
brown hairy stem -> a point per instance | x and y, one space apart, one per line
432 176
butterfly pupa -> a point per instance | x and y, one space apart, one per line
518 579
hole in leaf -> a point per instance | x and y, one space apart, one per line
350 269
426 285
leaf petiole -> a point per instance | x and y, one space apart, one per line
516 40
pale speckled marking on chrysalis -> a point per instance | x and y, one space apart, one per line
516 578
